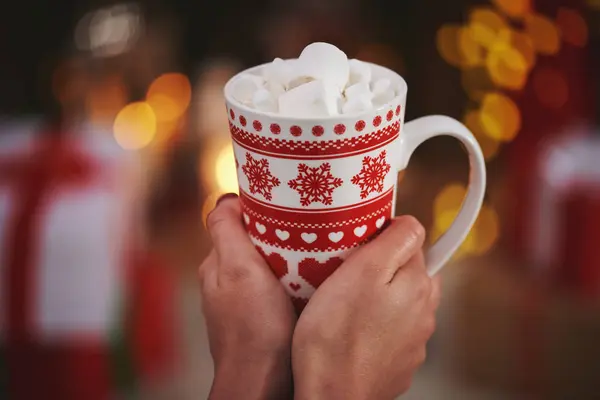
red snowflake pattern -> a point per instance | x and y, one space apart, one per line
371 176
259 177
315 184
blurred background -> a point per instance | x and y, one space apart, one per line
114 145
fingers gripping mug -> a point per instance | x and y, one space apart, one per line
313 189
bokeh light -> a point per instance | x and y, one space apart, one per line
485 231
507 66
544 34
169 95
551 87
450 198
514 8
489 146
135 126
471 53
225 170
447 41
485 24
573 28
500 117
524 46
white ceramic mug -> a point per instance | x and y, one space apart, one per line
313 189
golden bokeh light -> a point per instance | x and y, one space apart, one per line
572 25
485 231
135 126
489 146
169 95
514 8
165 132
507 67
544 34
225 170
485 24
500 117
447 41
551 88
449 199
594 4
523 44
471 53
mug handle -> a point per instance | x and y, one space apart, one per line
413 135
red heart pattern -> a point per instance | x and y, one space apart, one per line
295 286
315 272
278 264
299 304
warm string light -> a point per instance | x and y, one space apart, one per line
135 126
486 229
156 119
225 170
494 56
217 168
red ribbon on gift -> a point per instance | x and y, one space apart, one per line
78 369
37 370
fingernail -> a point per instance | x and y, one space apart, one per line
220 199
226 196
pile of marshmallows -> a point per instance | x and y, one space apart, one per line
321 82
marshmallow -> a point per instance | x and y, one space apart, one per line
360 72
323 61
381 85
299 80
340 104
358 89
312 99
275 88
263 100
245 87
384 97
278 72
358 104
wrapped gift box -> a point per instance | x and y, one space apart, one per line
75 289
562 243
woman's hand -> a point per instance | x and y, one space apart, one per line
363 333
250 318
